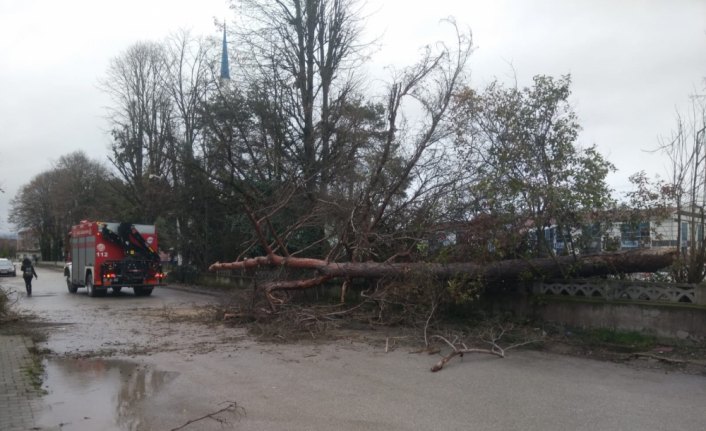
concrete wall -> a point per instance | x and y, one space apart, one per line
671 321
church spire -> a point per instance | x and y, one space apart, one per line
225 68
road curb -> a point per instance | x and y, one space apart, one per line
194 289
54 266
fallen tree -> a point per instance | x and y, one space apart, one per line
623 262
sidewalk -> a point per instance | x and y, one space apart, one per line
19 401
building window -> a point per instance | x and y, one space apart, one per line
635 235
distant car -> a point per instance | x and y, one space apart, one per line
7 268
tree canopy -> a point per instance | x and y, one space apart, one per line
75 188
296 155
528 170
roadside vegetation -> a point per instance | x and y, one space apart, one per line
391 322
6 302
34 370
630 341
299 167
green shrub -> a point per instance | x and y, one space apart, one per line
4 303
628 339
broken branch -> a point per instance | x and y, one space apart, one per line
231 406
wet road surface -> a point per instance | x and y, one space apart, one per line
98 394
85 388
136 363
116 323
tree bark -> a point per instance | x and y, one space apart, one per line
641 260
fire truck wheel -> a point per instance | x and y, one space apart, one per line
117 289
89 285
72 287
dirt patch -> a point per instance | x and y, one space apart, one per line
26 326
327 323
635 349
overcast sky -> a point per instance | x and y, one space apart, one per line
633 64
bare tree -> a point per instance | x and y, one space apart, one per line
299 53
395 174
190 81
408 174
686 188
75 188
31 208
142 120
279 132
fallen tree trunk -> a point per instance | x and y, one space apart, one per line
641 260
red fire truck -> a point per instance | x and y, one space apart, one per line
112 255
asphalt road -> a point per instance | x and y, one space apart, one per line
156 363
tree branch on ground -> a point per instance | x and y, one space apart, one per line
492 337
231 407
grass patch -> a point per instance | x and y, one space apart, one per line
26 327
623 340
34 370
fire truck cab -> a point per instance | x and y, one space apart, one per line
107 255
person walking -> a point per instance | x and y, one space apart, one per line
27 273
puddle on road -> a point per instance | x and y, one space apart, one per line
97 394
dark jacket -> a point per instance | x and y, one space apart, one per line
27 265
